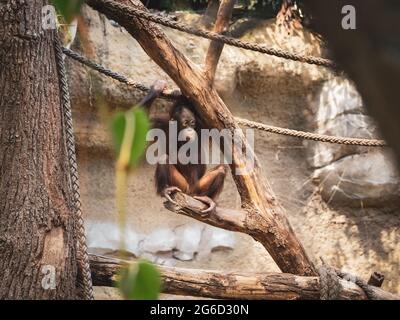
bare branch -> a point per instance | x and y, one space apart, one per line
215 49
233 220
228 219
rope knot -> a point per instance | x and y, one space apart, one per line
330 286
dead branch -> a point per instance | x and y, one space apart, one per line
231 285
233 220
258 199
215 49
228 219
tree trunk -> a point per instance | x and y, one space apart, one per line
37 241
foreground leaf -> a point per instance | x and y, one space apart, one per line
129 130
141 281
69 9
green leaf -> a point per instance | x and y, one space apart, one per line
117 129
68 8
140 282
142 127
136 122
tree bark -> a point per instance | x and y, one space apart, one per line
37 227
257 196
231 285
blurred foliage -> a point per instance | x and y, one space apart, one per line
269 7
141 281
68 9
129 130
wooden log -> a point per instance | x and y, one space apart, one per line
231 285
215 49
257 197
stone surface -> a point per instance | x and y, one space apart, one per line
188 240
350 175
162 245
360 180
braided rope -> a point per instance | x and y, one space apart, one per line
251 124
330 286
84 278
310 135
168 22
172 95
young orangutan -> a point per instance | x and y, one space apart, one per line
192 178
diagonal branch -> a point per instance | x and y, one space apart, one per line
257 197
231 285
215 49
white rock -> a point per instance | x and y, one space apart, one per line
106 235
338 96
160 240
188 239
215 238
370 179
350 175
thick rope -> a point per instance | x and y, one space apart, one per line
171 95
244 122
84 274
311 136
168 22
330 287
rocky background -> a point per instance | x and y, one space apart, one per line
341 201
